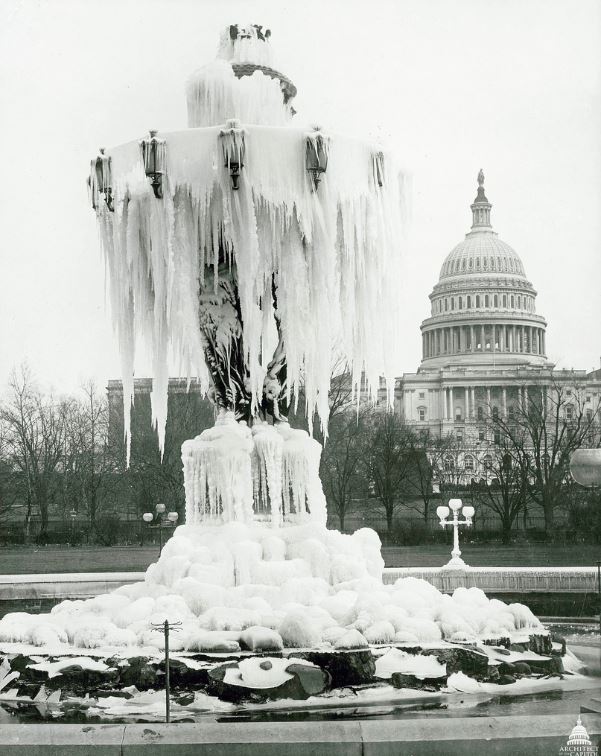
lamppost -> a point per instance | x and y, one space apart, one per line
443 512
585 468
158 520
73 515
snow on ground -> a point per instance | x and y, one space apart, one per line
255 587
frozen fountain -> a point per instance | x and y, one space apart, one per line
246 247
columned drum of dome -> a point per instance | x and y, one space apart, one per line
483 306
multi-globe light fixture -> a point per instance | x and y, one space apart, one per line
455 505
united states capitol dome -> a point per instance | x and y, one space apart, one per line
483 306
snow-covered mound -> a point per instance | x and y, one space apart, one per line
264 588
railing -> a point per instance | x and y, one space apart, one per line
503 579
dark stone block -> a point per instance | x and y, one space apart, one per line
562 641
183 676
139 672
466 660
493 673
506 679
507 668
522 668
400 680
540 644
346 668
306 681
551 665
502 642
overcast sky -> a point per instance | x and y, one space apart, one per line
510 86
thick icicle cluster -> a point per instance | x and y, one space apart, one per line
297 586
332 253
268 474
318 265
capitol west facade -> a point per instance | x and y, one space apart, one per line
484 349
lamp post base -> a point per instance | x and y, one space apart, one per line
455 563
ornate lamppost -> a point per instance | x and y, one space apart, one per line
160 521
72 515
456 562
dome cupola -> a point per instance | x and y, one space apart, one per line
483 306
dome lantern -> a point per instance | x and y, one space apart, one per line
481 206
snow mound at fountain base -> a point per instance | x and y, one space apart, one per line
238 586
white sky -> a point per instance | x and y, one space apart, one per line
512 86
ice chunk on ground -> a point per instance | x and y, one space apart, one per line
351 639
299 631
257 638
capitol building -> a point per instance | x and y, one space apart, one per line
484 349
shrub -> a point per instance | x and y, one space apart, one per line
107 529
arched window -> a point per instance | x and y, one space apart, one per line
496 301
492 263
452 303
469 463
504 300
519 302
480 413
512 301
487 461
495 412
460 303
569 412
485 263
471 263
486 300
446 304
477 300
449 464
478 262
469 302
463 264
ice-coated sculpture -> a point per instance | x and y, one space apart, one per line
248 247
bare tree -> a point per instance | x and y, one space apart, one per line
541 434
88 463
340 471
504 491
34 441
388 460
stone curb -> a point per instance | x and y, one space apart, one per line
493 736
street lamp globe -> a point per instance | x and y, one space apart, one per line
160 508
148 517
455 504
585 467
173 517
442 512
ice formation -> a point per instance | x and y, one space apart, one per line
269 473
245 285
253 587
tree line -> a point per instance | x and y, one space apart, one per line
64 457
